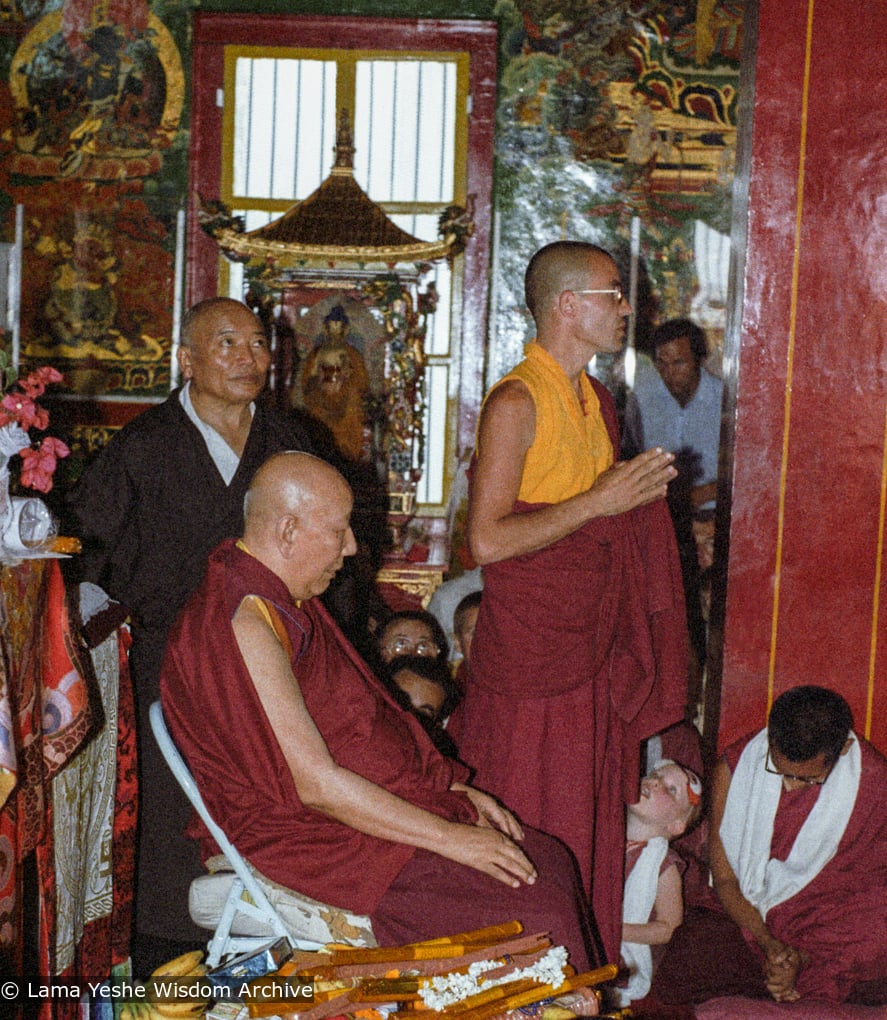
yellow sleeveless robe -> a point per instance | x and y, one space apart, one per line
571 446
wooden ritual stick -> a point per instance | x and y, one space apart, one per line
258 1006
519 963
447 958
520 998
494 933
398 989
407 986
335 954
334 1006
494 996
302 959
430 948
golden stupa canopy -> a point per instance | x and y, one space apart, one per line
339 223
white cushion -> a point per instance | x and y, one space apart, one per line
302 916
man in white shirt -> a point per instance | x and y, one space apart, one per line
678 408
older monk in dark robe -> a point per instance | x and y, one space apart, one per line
315 772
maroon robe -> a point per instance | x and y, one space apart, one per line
216 718
218 722
580 653
839 918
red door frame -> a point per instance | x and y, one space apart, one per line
212 32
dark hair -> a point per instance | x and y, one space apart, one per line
674 329
808 721
470 601
423 616
435 671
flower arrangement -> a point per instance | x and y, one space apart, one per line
20 412
444 990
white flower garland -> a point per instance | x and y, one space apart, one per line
445 989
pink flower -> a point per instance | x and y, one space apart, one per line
34 383
32 386
56 445
48 374
39 463
19 411
23 410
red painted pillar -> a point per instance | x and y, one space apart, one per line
806 587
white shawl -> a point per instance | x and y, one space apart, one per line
747 826
637 905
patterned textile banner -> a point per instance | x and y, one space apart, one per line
45 715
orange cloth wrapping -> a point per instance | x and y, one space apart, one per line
582 443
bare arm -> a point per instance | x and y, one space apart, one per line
506 432
783 962
669 911
324 786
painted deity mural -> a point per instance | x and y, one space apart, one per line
616 124
614 117
90 151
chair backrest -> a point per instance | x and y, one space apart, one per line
186 781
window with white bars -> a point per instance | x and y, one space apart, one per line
281 108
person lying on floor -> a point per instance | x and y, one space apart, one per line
320 779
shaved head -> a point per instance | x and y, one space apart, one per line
289 483
557 267
195 315
297 520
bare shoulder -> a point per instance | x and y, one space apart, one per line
251 625
249 612
508 413
509 396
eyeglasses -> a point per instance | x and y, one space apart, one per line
617 292
807 780
406 646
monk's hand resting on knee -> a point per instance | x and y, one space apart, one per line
490 812
489 850
631 483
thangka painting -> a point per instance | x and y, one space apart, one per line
90 152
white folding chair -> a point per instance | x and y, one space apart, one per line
246 896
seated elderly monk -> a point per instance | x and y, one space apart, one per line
318 777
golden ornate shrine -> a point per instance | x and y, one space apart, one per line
335 264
